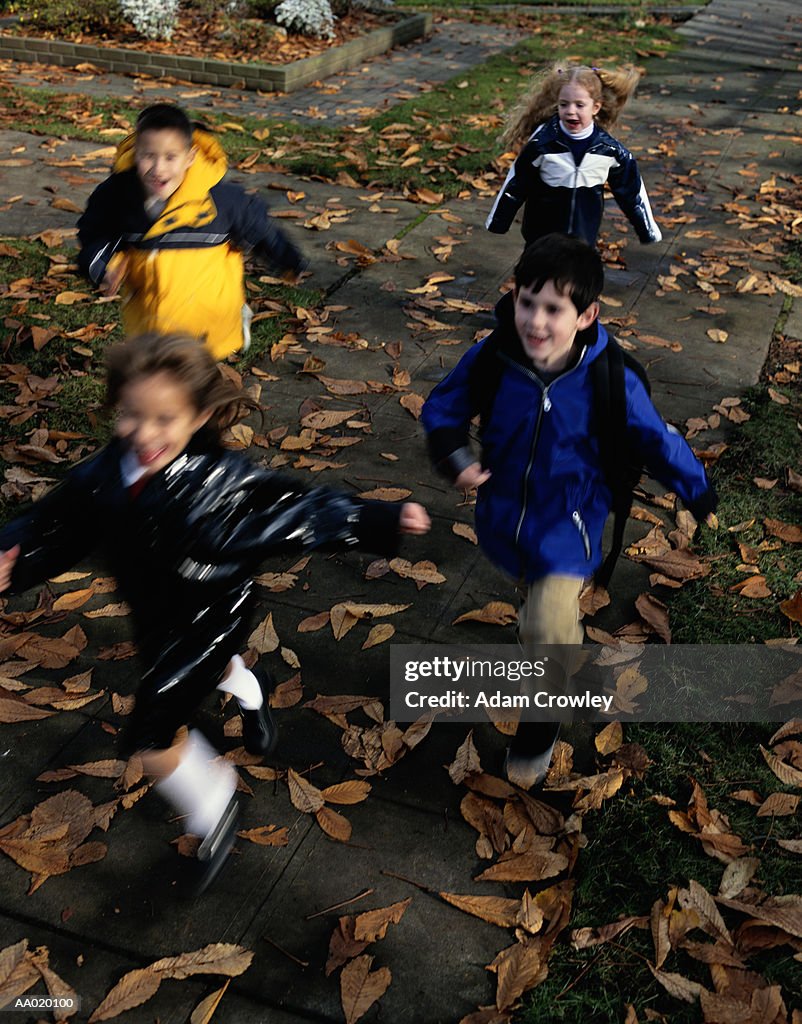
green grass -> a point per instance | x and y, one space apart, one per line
706 611
455 124
635 855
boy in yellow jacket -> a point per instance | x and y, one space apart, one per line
171 232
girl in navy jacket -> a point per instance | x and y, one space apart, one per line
183 523
568 156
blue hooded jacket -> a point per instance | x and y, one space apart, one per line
544 507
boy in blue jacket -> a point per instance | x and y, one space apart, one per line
542 498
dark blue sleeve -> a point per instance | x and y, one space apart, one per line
253 229
665 453
98 234
446 417
517 187
629 192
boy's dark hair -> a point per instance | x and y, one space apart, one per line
161 116
574 267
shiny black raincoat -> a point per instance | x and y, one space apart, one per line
184 552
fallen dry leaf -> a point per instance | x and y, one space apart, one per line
360 987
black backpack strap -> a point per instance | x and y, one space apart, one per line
610 401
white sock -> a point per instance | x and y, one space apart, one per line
200 788
243 684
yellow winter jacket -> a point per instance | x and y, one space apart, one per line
185 270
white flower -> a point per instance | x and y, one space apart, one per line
154 19
309 17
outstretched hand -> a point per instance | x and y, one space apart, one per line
472 476
414 519
115 274
8 560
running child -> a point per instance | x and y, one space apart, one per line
183 524
172 233
569 154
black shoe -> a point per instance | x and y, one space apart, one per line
214 850
259 729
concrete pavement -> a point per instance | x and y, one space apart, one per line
709 125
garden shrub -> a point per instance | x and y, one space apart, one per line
72 16
154 19
309 17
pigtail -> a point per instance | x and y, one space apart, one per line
537 105
618 86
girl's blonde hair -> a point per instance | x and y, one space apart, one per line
611 87
187 360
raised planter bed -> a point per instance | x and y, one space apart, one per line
267 77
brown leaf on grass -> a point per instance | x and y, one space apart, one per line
372 925
779 805
678 564
792 607
486 1015
583 938
792 727
360 987
655 614
788 690
783 912
753 586
787 774
660 936
610 738
789 532
337 705
304 796
698 898
69 602
495 613
266 835
677 985
737 875
466 761
793 845
519 968
333 824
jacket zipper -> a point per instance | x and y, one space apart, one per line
579 523
545 406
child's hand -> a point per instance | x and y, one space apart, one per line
414 519
472 476
115 274
712 520
8 560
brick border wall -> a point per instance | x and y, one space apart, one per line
267 77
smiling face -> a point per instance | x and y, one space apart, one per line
156 419
547 322
163 156
576 107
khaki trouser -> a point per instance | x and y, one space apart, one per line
549 624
